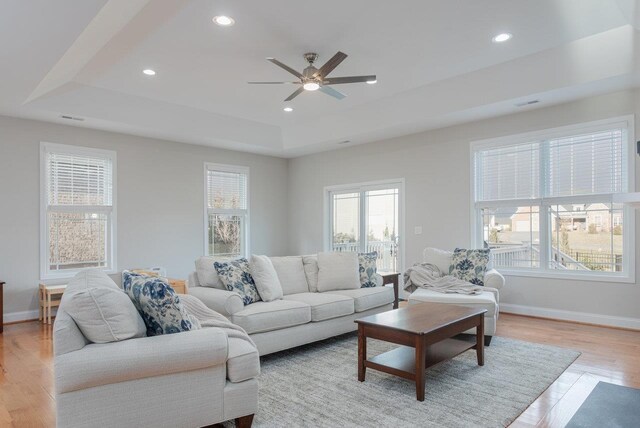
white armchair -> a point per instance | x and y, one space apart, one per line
489 299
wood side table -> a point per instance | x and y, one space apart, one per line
50 296
179 285
1 306
391 278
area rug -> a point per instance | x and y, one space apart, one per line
316 386
608 405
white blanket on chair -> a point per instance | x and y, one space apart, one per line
428 276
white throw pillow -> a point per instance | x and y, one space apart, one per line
440 258
290 272
338 271
102 311
266 278
207 274
311 271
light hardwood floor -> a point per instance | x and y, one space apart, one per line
612 355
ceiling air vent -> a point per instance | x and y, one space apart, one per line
79 119
527 103
344 142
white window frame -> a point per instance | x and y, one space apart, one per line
359 188
210 166
628 269
46 275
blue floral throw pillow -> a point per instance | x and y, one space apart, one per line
368 269
469 265
236 276
157 303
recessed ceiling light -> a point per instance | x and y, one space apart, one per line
311 86
149 72
223 20
288 109
372 82
502 37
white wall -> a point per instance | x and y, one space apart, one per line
160 203
436 168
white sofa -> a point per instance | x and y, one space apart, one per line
302 316
189 379
489 299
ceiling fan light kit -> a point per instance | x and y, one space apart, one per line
314 79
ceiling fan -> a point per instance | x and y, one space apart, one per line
313 79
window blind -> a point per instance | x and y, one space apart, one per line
586 164
226 190
582 164
79 180
506 173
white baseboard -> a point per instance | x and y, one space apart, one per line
20 316
605 320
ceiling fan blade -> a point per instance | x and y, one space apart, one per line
295 94
274 83
328 66
330 91
348 79
286 67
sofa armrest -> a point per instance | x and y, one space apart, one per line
108 363
224 302
493 279
495 292
192 280
378 280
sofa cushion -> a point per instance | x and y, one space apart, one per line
311 271
470 265
266 278
100 309
236 276
207 274
158 304
243 360
291 274
266 316
485 300
325 306
368 269
440 258
368 298
338 271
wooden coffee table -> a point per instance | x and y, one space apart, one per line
426 332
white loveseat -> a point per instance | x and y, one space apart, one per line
489 299
302 316
188 379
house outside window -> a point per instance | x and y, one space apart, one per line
77 210
226 211
545 202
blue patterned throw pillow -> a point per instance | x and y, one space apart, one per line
470 265
236 276
157 303
368 269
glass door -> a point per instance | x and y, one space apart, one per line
367 218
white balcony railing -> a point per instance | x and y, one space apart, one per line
387 252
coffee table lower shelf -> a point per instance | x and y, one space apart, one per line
401 361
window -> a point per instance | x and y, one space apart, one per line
545 202
366 218
227 210
77 210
